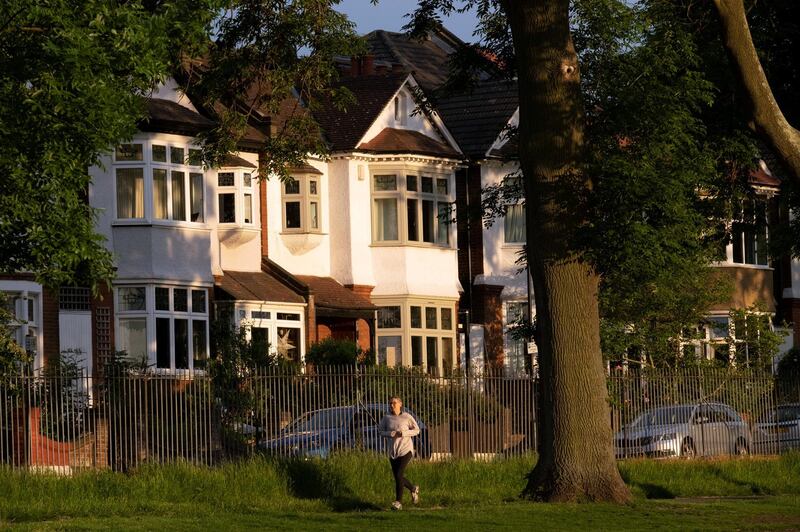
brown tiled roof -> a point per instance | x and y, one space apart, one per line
761 178
328 293
255 286
343 129
392 140
234 161
304 168
167 116
474 118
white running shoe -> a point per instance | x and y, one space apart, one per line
415 495
397 505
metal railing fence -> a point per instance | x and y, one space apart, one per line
62 421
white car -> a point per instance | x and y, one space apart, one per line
706 429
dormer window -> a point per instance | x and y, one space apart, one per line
301 204
235 196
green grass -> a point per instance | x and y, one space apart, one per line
353 491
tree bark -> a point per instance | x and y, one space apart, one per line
766 115
576 457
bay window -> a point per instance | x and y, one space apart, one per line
302 204
235 196
411 208
176 192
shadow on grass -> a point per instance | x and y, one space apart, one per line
311 479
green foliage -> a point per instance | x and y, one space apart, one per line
74 73
62 397
335 352
12 356
789 365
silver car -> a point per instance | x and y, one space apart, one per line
706 429
778 430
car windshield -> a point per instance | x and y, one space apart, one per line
785 413
672 415
320 420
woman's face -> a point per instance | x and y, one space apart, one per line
396 405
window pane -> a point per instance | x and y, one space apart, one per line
176 155
430 351
181 344
259 338
196 200
288 343
199 343
385 219
441 186
195 157
227 208
180 301
248 208
428 216
162 343
129 152
225 179
514 224
430 317
738 253
312 187
389 317
385 182
130 193
132 298
133 337
247 179
314 213
198 301
447 356
162 298
416 350
160 194
413 225
427 184
292 214
416 317
443 223
447 319
411 183
390 350
291 186
178 196
159 153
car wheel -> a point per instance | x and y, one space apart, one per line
687 448
741 448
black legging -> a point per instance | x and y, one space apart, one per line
398 468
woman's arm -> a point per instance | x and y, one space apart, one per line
413 428
383 428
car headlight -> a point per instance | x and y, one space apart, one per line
665 437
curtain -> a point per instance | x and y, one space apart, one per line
160 194
130 193
386 219
178 196
196 197
515 224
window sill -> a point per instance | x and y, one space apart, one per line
512 245
737 265
194 226
398 244
290 232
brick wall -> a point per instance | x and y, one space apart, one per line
52 349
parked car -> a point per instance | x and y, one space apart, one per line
321 432
706 429
778 430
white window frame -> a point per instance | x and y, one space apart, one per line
148 165
305 197
27 291
243 317
401 194
150 314
240 191
406 331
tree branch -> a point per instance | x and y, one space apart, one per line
767 118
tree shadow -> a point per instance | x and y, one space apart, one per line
310 479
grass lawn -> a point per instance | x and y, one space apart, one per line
353 492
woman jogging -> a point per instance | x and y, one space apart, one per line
400 427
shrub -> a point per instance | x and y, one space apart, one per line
333 352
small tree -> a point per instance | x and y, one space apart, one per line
333 352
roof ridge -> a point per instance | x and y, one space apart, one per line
395 52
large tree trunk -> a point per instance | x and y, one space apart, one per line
576 459
767 119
